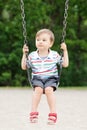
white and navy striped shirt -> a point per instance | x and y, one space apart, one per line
44 67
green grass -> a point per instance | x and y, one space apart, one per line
74 87
60 87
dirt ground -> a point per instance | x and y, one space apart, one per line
15 106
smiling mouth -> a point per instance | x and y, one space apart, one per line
40 45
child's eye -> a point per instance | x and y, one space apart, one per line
44 39
38 39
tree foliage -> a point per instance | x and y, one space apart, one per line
42 14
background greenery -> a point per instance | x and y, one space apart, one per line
42 14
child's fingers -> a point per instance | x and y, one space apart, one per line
25 49
63 46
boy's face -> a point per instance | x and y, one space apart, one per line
43 41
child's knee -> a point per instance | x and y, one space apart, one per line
48 90
38 90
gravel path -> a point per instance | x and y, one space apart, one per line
15 107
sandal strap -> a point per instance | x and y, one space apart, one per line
52 117
53 114
34 117
34 113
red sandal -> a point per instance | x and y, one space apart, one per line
52 118
34 117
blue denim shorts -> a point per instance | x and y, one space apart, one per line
43 83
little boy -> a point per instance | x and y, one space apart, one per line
43 63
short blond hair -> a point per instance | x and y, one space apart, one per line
48 31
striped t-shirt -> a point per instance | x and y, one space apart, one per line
44 67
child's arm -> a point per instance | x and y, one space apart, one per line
65 55
24 59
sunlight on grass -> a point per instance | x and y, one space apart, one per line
74 87
27 87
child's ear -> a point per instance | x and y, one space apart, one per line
51 44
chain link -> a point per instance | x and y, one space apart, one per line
23 22
65 21
63 35
25 36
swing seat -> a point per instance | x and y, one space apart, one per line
25 31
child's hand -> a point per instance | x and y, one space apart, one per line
63 46
25 49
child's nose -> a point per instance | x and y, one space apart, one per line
40 41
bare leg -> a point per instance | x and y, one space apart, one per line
36 98
51 99
52 105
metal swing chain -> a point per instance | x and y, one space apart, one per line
63 34
25 34
23 22
65 20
